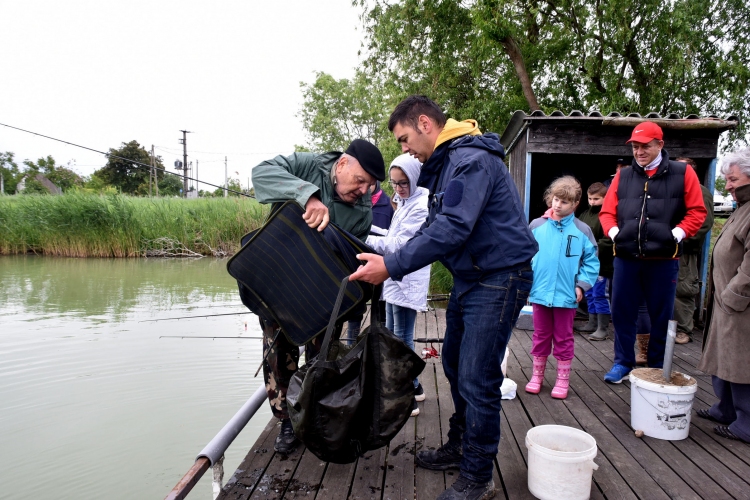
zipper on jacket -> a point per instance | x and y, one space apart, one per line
641 221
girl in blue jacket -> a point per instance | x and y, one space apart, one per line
565 267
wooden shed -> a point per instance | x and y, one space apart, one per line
543 147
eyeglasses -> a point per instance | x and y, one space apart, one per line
401 184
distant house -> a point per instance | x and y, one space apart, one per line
41 179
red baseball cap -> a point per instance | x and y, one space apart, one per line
646 132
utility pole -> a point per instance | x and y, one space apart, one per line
151 171
197 182
2 184
226 180
184 163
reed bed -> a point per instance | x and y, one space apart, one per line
84 225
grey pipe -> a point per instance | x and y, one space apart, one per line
219 444
669 350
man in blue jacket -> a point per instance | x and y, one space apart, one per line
477 228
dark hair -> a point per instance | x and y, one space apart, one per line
597 188
689 161
407 112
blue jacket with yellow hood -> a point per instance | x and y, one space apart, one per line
476 224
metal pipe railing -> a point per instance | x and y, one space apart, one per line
212 455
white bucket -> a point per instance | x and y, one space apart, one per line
661 411
561 462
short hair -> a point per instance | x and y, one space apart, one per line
597 188
565 188
741 158
689 161
408 111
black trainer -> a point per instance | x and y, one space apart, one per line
286 442
419 393
465 489
444 458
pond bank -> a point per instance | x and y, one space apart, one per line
82 225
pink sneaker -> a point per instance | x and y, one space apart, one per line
535 384
560 391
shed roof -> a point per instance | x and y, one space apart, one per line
520 120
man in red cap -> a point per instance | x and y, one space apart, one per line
650 208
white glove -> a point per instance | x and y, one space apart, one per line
678 234
378 230
613 233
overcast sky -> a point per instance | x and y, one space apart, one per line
100 73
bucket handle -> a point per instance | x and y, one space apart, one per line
669 417
594 465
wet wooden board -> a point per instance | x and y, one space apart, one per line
702 466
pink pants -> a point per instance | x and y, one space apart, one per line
553 326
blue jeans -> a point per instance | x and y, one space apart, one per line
639 281
597 297
401 320
478 326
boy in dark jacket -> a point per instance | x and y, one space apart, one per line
597 297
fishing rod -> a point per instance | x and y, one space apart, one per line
202 337
192 317
137 164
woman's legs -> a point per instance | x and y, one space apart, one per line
401 321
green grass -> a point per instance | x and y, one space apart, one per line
715 230
84 225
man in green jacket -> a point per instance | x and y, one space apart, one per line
688 280
331 187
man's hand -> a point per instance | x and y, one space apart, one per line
374 271
316 213
579 294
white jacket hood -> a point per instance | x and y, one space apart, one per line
411 167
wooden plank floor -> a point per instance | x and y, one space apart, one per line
702 466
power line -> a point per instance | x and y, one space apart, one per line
137 164
172 150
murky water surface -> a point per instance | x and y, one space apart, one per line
93 403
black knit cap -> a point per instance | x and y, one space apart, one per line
369 156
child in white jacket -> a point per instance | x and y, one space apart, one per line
404 298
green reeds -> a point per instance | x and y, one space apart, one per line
84 225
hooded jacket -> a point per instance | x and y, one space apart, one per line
476 225
410 215
566 260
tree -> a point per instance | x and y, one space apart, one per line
128 168
721 185
169 185
335 112
486 58
10 172
63 177
233 184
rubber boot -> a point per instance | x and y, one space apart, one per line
641 341
601 332
535 384
560 391
590 326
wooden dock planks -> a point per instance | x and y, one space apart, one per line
702 466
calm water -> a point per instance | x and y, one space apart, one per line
93 404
